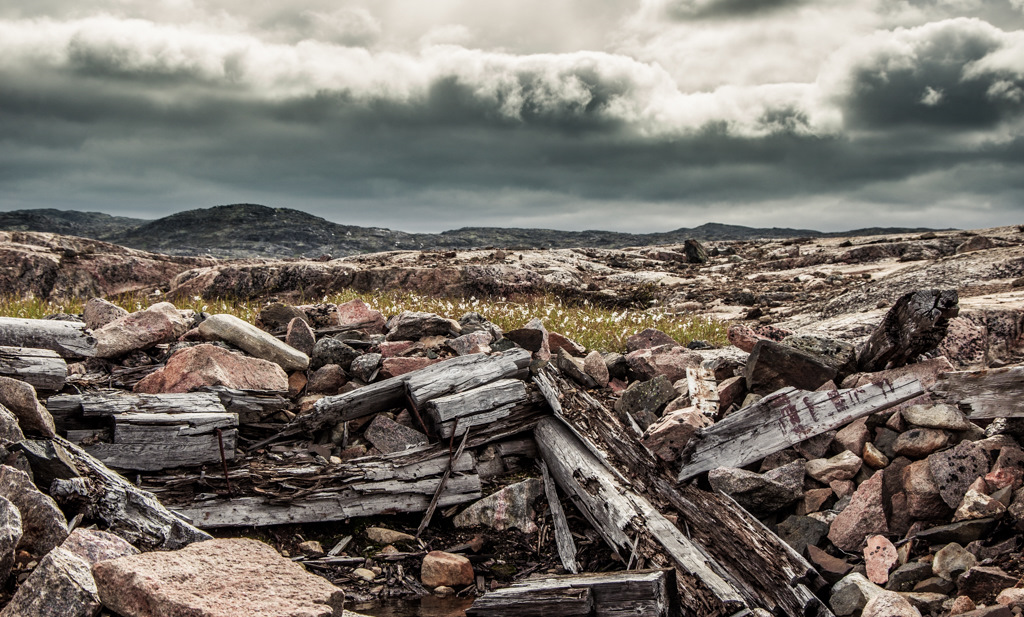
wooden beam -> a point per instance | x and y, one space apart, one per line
464 373
164 450
915 324
563 536
70 339
989 393
703 390
785 418
43 368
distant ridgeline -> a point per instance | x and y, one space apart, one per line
250 230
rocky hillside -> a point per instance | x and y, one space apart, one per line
248 230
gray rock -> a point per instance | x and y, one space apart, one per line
300 336
802 531
905 577
256 342
956 469
471 343
852 593
95 546
365 366
20 399
574 369
332 351
889 604
475 322
695 252
389 436
60 586
951 560
983 583
773 365
10 535
939 416
42 522
97 313
510 507
10 430
761 493
414 325
649 339
963 532
644 400
277 316
595 366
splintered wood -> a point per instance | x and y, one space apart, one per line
786 418
991 393
44 369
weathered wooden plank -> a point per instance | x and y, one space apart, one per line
538 601
103 403
786 418
458 426
356 500
990 393
130 512
916 324
464 373
478 400
70 339
629 524
651 593
563 537
43 368
252 406
181 451
157 427
703 390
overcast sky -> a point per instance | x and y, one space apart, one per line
425 115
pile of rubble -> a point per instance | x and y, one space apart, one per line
787 473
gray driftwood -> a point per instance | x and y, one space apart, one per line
785 418
132 513
43 368
70 339
103 403
915 324
563 537
651 593
456 413
990 393
252 406
464 373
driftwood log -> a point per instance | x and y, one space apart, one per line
456 413
990 393
44 369
786 418
70 339
915 324
651 593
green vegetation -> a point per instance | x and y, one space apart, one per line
592 326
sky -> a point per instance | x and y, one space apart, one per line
426 115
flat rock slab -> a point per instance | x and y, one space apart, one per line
216 578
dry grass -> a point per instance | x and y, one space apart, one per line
592 326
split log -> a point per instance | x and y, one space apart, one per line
70 339
703 390
915 324
43 368
105 403
166 453
786 418
763 569
453 375
456 413
563 537
651 593
252 406
124 509
991 393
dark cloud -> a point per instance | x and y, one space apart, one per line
701 9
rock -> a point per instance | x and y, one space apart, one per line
760 493
474 342
414 325
961 605
920 442
10 535
879 557
815 447
865 515
20 399
852 594
254 341
978 505
905 577
327 380
1008 470
889 604
389 436
215 578
594 365
975 243
60 586
382 535
558 342
511 507
802 532
843 466
815 498
358 313
393 349
963 532
42 523
442 569
95 546
831 568
1012 597
532 337
644 400
669 434
935 584
695 252
300 336
989 611
923 499
393 367
365 366
939 416
97 313
951 560
365 574
743 337
956 469
192 368
873 458
10 430
854 435
311 548
573 368
731 390
983 583
649 339
667 360
276 316
297 383
160 323
475 322
772 366
840 355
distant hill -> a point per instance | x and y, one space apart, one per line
250 230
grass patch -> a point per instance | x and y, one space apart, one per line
592 326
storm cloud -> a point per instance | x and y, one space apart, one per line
641 117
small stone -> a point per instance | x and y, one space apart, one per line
300 336
854 435
10 430
393 367
852 594
930 603
669 434
802 532
773 365
670 361
889 604
939 416
160 323
963 532
648 339
731 390
20 399
760 493
277 315
558 342
10 535
358 313
440 569
311 548
97 313
990 611
297 383
905 577
383 535
365 366
209 365
474 342
414 325
364 574
332 351
1012 597
511 507
840 355
743 337
873 458
95 546
43 524
389 436
920 442
393 349
843 466
879 557
951 560
923 499
60 586
832 568
815 498
595 366
443 591
327 379
935 584
983 583
865 515
572 368
978 505
644 400
956 469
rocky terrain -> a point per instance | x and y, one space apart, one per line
854 450
249 230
